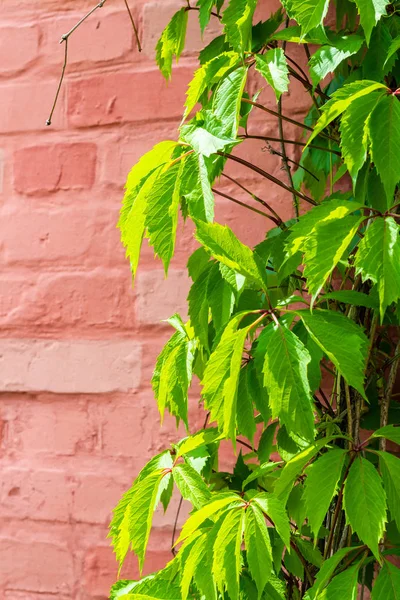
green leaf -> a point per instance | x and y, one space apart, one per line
394 47
327 570
162 212
266 442
387 584
205 8
237 19
172 376
207 75
378 259
205 133
285 377
196 188
341 100
227 553
370 12
191 563
327 212
221 377
219 503
328 329
390 470
294 34
191 485
343 586
374 65
258 547
294 468
309 14
273 67
354 127
316 354
227 100
224 246
365 503
172 42
245 407
199 303
141 501
275 511
326 59
384 132
352 297
133 212
260 472
390 432
323 476
325 248
199 439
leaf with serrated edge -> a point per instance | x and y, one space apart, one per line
275 510
172 42
321 484
327 328
378 259
227 100
390 432
390 471
285 377
258 547
370 12
384 133
308 13
273 67
237 19
191 485
364 503
387 584
227 553
327 570
343 586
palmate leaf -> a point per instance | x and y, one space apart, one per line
327 212
328 329
326 572
227 99
258 547
173 374
327 58
325 248
364 503
389 432
207 75
343 586
387 584
162 211
378 259
221 377
191 485
285 377
309 14
384 132
341 100
295 467
133 212
224 246
227 563
390 470
274 509
212 510
354 139
237 19
370 12
273 67
321 484
172 42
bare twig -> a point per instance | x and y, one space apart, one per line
133 26
228 197
296 142
388 394
173 550
65 37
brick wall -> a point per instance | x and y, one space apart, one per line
77 343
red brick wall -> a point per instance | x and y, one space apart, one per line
77 343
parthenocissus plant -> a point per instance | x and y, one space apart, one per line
294 341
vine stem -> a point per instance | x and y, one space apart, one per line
388 394
295 142
267 176
252 208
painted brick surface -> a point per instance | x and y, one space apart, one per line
77 342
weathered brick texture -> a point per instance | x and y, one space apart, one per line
77 342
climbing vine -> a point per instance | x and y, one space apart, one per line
294 341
